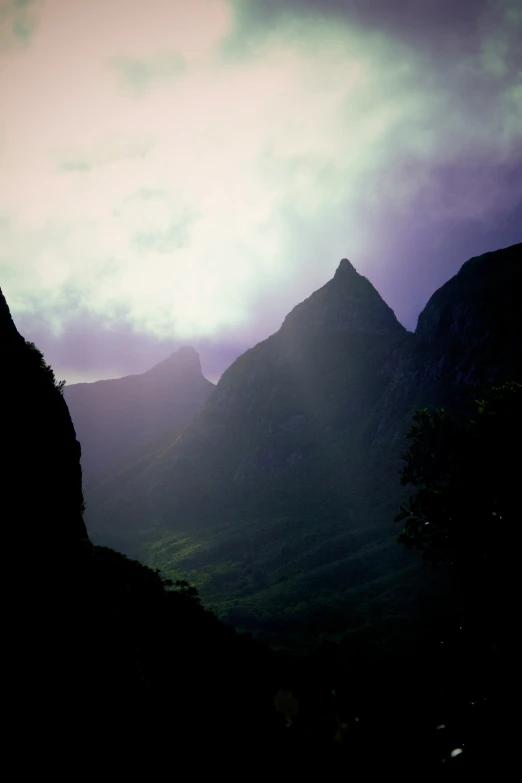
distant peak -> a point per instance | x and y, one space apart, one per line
185 351
345 268
185 359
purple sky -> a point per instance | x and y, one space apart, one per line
186 172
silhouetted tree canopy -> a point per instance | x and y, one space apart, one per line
465 509
465 478
46 368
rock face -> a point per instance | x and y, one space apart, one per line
42 475
117 419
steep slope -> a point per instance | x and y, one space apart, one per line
279 498
117 419
467 338
40 452
44 538
283 413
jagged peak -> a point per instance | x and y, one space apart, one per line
185 358
345 268
347 303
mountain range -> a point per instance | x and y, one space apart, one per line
132 664
278 498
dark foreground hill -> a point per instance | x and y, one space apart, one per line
105 667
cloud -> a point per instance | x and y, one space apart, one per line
140 75
109 150
202 202
17 23
75 165
87 351
433 23
176 235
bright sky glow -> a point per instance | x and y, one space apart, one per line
152 172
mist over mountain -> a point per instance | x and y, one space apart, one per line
117 419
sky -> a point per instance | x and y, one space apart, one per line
179 172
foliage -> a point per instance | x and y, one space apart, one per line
46 368
467 484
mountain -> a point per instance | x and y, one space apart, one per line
279 498
118 419
138 672
271 430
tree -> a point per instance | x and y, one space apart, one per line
44 367
466 505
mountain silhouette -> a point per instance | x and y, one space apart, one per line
280 495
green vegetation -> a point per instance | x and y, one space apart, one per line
295 585
46 369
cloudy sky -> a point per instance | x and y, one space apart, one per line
186 171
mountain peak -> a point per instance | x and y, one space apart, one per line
116 419
186 359
185 352
347 303
345 268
